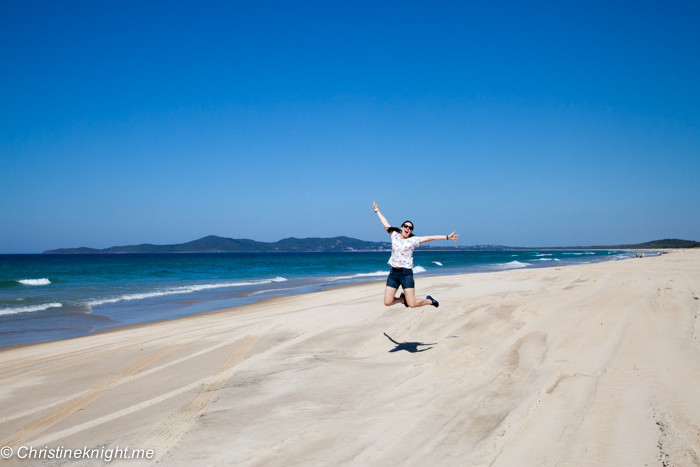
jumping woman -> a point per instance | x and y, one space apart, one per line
403 242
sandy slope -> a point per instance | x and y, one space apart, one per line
585 365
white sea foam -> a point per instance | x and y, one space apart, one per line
544 254
180 290
438 263
362 274
557 259
513 265
28 309
416 269
34 281
270 290
545 259
578 254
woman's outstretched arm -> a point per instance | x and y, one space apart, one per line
453 236
382 219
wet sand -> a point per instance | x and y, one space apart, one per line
594 364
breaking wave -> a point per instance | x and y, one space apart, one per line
34 281
416 269
28 309
180 290
513 265
362 274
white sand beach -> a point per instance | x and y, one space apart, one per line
594 364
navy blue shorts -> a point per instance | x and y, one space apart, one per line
402 277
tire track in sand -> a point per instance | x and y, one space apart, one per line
72 362
76 357
133 377
246 364
17 363
32 429
175 426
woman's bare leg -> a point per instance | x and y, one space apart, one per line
390 296
411 299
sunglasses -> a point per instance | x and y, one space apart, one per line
409 227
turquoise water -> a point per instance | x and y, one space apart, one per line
48 297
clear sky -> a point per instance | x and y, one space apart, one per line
515 123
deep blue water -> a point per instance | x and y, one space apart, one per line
48 297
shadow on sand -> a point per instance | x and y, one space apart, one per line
408 346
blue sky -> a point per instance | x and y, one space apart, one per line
524 124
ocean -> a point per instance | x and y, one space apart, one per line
49 297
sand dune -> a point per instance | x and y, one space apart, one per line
594 364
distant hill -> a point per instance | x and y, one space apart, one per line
655 244
214 244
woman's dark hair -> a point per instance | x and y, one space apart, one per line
396 229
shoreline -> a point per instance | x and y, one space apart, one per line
299 290
545 366
130 326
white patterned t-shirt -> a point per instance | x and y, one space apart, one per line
402 250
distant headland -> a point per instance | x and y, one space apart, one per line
214 244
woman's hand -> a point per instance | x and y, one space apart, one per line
453 236
382 219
